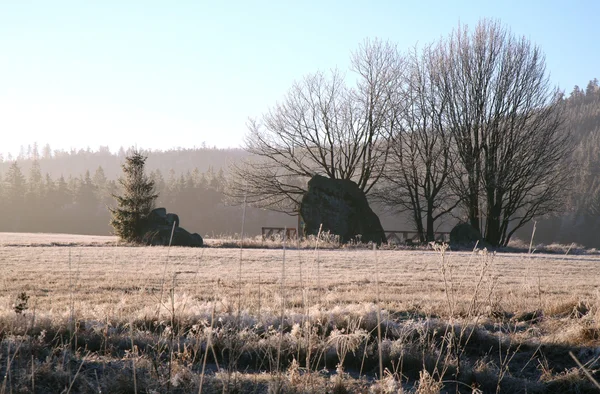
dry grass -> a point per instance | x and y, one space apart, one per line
44 239
128 319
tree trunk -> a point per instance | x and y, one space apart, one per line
493 233
430 220
474 211
419 225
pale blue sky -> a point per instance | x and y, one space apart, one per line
163 74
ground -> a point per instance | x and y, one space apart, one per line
85 314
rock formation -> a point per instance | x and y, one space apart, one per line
159 228
465 235
342 208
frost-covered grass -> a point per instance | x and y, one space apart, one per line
46 239
152 319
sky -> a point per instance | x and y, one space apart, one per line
167 74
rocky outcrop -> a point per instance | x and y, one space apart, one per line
342 208
159 228
465 235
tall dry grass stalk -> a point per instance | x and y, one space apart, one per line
532 237
303 322
378 298
318 261
164 275
282 290
311 301
457 337
259 298
240 260
504 362
6 378
77 374
301 279
71 300
32 374
133 354
174 331
585 370
209 340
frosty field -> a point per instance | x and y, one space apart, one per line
81 314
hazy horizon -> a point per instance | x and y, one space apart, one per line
159 76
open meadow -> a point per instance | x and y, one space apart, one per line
81 314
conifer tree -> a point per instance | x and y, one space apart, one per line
14 194
86 195
136 201
16 185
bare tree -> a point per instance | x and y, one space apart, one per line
322 127
505 120
416 178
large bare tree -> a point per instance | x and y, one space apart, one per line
505 120
322 126
416 178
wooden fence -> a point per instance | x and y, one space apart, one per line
411 237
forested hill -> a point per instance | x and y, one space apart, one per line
580 220
60 162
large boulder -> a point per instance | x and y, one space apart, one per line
159 227
342 208
158 217
465 235
172 218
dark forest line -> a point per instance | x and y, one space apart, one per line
34 201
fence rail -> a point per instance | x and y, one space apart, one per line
408 237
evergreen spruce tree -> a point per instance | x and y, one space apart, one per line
14 196
136 202
16 185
